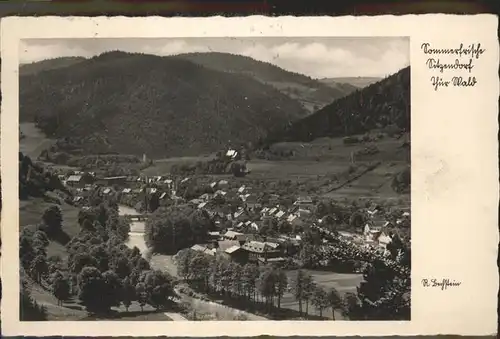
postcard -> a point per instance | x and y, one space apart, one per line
246 176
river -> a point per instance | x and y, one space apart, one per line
136 238
136 235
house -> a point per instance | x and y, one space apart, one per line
231 153
223 183
303 212
259 251
255 226
213 184
241 189
106 191
111 181
198 248
79 180
383 240
223 245
210 251
237 254
272 211
195 202
214 235
127 190
221 193
346 235
304 202
239 214
202 205
163 195
232 235
205 196
406 214
279 214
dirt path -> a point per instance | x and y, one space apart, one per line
223 311
175 316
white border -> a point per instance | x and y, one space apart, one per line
454 172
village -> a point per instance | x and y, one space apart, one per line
250 225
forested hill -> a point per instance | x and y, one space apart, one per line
384 103
161 106
45 65
311 93
34 180
357 82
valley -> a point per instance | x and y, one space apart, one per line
210 186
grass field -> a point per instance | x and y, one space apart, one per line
30 215
34 140
342 282
71 310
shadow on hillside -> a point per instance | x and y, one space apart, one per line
60 237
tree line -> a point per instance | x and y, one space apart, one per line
173 228
100 271
253 284
34 180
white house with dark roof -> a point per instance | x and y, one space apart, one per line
304 202
232 235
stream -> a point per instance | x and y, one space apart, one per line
136 234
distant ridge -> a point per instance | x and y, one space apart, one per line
311 93
163 106
49 64
381 104
358 82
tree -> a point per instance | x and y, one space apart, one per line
159 288
154 202
351 306
357 220
101 257
320 299
127 293
299 287
266 286
176 227
39 268
334 301
52 218
26 251
122 267
60 287
199 268
183 262
112 289
81 260
91 286
309 287
142 296
41 237
250 277
281 282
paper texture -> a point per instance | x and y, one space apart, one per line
454 168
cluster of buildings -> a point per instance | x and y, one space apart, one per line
238 231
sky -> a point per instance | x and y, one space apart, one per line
316 57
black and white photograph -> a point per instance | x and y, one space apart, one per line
193 179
